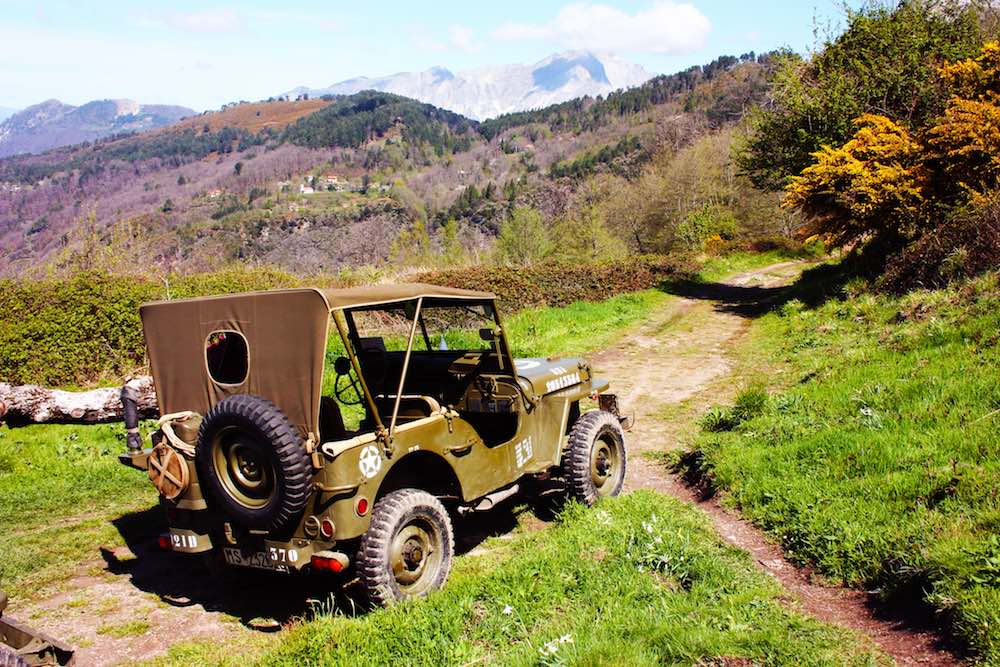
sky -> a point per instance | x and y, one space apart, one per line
202 54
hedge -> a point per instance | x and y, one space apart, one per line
85 329
559 284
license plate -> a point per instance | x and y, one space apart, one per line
255 559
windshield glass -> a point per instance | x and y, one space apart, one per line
457 328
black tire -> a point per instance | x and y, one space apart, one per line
10 659
595 460
252 463
394 518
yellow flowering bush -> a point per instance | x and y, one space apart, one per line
875 180
890 182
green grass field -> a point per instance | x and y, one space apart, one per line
879 462
639 580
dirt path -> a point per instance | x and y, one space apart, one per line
676 365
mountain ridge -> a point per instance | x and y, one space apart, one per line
51 124
494 90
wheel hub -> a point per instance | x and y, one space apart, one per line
245 473
605 466
414 556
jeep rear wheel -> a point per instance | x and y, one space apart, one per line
408 548
252 463
595 460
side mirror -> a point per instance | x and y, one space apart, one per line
342 366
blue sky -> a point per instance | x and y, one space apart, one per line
202 54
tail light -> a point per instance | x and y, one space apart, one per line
326 528
163 541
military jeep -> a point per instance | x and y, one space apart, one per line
271 461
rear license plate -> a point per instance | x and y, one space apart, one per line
255 559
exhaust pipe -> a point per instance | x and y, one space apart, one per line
130 411
490 501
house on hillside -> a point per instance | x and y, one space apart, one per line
331 179
214 193
306 189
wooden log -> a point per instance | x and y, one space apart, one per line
31 404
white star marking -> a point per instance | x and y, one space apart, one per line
370 461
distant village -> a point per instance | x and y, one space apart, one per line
310 184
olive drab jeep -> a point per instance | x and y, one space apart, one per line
328 429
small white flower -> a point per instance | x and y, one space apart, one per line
658 539
507 610
566 639
647 527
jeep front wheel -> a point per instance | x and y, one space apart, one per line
595 460
408 548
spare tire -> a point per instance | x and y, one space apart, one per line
252 463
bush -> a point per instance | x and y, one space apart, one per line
85 328
560 284
704 224
964 246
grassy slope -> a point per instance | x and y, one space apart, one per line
641 580
880 465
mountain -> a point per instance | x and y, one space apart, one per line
52 123
491 91
6 112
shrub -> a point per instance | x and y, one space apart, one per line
85 328
967 244
709 222
560 284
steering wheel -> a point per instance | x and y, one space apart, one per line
342 367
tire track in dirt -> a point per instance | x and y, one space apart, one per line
681 354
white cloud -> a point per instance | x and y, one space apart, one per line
205 21
462 38
665 27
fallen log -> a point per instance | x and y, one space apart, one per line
31 404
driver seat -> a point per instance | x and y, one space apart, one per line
331 421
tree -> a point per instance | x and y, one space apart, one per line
885 63
584 237
524 238
238 168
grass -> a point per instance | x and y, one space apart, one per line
123 630
640 580
717 267
60 486
880 464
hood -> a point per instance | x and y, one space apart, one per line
549 375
